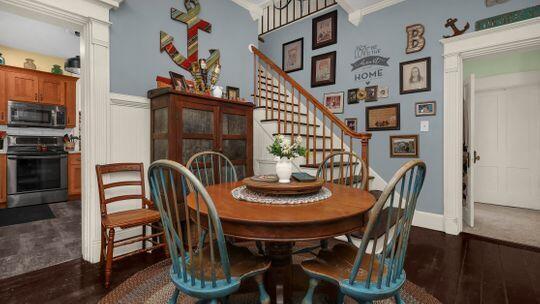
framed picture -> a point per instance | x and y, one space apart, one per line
382 118
361 94
415 76
425 108
352 96
383 92
371 93
324 31
293 56
178 81
404 146
190 86
351 123
334 102
323 69
233 93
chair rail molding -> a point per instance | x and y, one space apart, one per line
515 36
91 18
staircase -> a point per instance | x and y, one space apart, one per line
285 107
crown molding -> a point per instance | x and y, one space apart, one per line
114 4
357 14
255 10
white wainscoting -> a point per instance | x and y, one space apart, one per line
128 141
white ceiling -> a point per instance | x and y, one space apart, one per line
37 36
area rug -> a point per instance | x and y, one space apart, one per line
152 286
21 215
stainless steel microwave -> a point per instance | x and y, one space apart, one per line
25 114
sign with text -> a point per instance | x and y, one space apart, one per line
368 63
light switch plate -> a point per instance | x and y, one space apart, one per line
424 126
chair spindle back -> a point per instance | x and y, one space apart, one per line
170 184
351 170
212 168
400 196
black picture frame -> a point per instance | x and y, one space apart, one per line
236 92
175 79
427 61
354 121
397 125
414 138
333 40
372 93
332 80
352 96
301 40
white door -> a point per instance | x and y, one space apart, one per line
507 132
468 136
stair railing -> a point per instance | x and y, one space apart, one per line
271 87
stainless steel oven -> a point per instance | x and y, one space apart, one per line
36 170
27 114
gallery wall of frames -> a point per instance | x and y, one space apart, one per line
386 75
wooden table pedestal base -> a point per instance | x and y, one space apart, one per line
278 279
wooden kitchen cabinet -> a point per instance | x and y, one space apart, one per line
3 98
3 179
71 103
22 86
51 90
74 176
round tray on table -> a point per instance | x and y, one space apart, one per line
276 188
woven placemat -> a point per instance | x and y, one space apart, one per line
244 194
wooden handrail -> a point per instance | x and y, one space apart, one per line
316 103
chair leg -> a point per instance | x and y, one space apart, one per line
144 235
397 298
340 298
108 265
263 295
174 298
324 244
308 299
102 251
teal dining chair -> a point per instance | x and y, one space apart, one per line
211 271
373 271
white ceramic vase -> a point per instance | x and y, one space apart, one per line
217 91
284 170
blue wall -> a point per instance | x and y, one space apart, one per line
135 56
386 29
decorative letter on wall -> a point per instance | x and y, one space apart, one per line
415 38
194 24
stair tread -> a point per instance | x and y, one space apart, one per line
282 110
275 93
276 100
288 122
303 135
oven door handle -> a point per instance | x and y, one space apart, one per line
37 156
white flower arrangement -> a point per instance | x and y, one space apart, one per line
282 147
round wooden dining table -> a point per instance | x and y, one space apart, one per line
279 226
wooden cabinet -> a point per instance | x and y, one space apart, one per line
3 179
74 176
71 103
183 124
51 90
3 98
22 86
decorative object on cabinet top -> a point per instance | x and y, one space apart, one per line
2 60
57 70
10 68
29 64
164 91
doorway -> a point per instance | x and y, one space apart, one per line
501 144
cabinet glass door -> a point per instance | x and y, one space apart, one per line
198 129
234 140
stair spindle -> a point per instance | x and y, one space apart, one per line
266 90
324 137
307 132
314 130
292 113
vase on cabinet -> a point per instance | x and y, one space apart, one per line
284 170
2 60
29 64
57 70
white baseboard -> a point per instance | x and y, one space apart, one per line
428 220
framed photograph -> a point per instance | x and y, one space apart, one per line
371 93
178 81
351 123
425 108
382 118
293 55
190 86
324 31
415 76
334 102
233 93
323 69
352 96
361 94
383 92
404 146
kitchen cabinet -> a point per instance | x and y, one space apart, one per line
3 179
3 98
74 176
71 103
183 124
51 90
22 86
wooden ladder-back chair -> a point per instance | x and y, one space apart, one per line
369 274
210 271
144 216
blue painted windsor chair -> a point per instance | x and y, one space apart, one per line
210 271
374 270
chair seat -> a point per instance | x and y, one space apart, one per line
243 263
130 218
337 263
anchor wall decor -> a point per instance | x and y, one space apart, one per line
194 24
451 23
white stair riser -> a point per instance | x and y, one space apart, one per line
283 115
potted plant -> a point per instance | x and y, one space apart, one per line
284 151
69 142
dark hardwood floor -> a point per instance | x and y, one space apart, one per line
455 269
